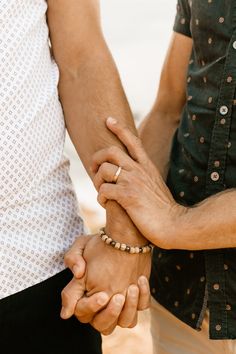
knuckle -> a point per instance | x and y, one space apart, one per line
123 324
65 295
113 151
102 168
132 325
67 257
97 326
144 307
103 188
81 318
107 333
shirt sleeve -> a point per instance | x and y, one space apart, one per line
183 18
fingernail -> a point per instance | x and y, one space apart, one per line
142 281
111 120
102 299
64 313
133 291
119 299
76 270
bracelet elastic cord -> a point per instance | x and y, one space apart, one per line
123 246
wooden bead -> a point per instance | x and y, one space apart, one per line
123 247
104 238
108 240
113 243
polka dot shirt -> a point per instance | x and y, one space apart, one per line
203 162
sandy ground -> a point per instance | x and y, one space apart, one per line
138 32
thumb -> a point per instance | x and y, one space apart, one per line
70 295
73 258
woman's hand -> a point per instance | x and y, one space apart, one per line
139 189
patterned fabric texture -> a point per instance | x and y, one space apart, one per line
38 209
203 163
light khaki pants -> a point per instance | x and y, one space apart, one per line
159 332
171 336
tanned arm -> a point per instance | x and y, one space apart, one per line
90 91
158 128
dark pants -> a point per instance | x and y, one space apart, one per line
30 323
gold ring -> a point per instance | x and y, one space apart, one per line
118 172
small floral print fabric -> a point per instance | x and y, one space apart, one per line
38 209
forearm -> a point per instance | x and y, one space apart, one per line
89 95
156 133
209 225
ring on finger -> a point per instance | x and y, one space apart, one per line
117 174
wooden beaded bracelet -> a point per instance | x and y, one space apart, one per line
123 246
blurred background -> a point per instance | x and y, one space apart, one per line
138 33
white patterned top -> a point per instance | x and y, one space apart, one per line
38 209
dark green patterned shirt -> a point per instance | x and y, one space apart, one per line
203 162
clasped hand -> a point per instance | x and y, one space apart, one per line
108 287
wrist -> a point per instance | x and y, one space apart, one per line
120 227
170 230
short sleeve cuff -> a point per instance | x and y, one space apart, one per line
183 18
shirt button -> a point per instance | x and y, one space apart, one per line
224 110
229 79
216 286
228 307
222 121
218 327
234 45
226 267
217 163
215 176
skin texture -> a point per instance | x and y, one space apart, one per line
90 90
140 189
158 128
202 227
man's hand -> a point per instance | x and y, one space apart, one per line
106 296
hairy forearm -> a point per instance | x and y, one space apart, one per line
210 224
156 133
89 95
